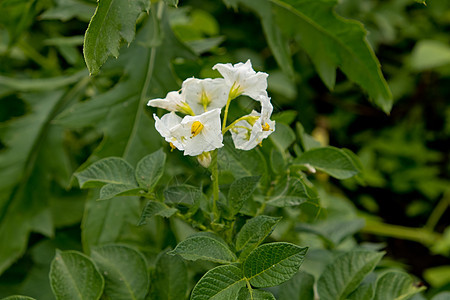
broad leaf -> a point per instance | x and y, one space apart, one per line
240 190
183 195
124 270
283 137
292 192
112 170
272 264
154 208
205 246
74 276
113 21
330 160
111 190
253 233
363 292
170 279
150 169
220 283
395 286
299 287
345 273
246 294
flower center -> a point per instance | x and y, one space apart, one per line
235 91
204 100
265 127
196 128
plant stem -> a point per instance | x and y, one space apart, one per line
421 235
215 181
438 211
225 115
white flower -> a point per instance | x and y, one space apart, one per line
204 159
173 102
243 80
193 134
205 94
247 134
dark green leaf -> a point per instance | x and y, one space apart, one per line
292 192
272 264
253 233
240 190
345 273
299 287
330 160
246 294
363 292
283 137
113 20
111 190
183 194
170 279
74 276
150 169
154 208
220 283
205 246
124 270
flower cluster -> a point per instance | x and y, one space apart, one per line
201 101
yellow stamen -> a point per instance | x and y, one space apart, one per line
265 127
196 128
171 146
204 100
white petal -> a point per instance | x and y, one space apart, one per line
168 126
215 92
246 136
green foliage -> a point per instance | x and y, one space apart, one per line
395 285
299 287
170 278
74 276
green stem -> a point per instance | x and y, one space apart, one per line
438 212
421 235
215 180
225 115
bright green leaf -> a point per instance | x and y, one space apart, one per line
112 170
150 169
205 246
240 190
395 286
429 54
345 273
220 283
112 21
272 264
74 276
299 287
253 233
154 208
124 270
330 160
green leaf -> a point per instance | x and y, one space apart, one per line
330 40
363 292
429 54
246 294
206 246
150 169
68 9
299 287
112 190
74 276
442 296
240 190
124 270
220 283
172 2
292 192
18 297
112 170
345 273
185 195
254 233
113 20
170 279
395 285
283 137
154 208
272 264
331 160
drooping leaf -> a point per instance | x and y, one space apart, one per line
272 264
299 287
205 246
246 294
220 283
395 285
170 279
330 160
330 40
253 233
111 170
345 273
113 21
150 169
154 208
74 276
240 190
124 270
